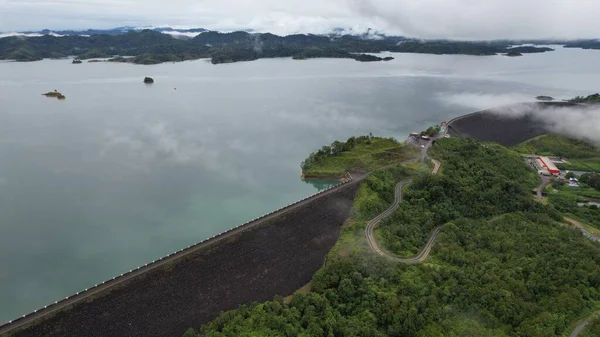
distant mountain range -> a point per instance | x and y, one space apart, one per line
178 32
367 34
152 45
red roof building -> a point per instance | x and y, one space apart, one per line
549 165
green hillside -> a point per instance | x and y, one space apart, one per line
502 265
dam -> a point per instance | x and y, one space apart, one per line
272 255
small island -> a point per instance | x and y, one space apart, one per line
148 80
544 98
55 94
513 54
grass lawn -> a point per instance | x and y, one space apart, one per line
588 164
556 145
586 192
362 158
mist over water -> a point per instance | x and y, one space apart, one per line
121 173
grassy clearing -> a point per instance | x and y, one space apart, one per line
581 191
364 157
556 145
588 164
565 199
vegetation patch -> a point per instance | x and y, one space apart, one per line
589 165
557 145
357 154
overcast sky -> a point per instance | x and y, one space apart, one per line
459 19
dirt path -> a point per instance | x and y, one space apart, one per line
581 227
370 230
540 189
436 166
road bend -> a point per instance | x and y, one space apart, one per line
370 229
583 324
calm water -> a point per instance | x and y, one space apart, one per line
122 173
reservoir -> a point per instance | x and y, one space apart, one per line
121 173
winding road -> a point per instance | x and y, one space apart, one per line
540 188
370 229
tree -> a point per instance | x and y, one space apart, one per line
570 175
337 147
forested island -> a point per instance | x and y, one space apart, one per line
503 264
152 47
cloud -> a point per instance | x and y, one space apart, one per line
161 144
459 19
580 123
481 101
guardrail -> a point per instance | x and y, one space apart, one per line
155 263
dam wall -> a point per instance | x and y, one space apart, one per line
509 125
273 255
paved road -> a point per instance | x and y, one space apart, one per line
540 188
583 324
66 302
579 328
370 230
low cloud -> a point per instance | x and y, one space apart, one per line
580 122
454 19
480 101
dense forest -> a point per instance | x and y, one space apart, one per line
151 47
480 180
520 273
